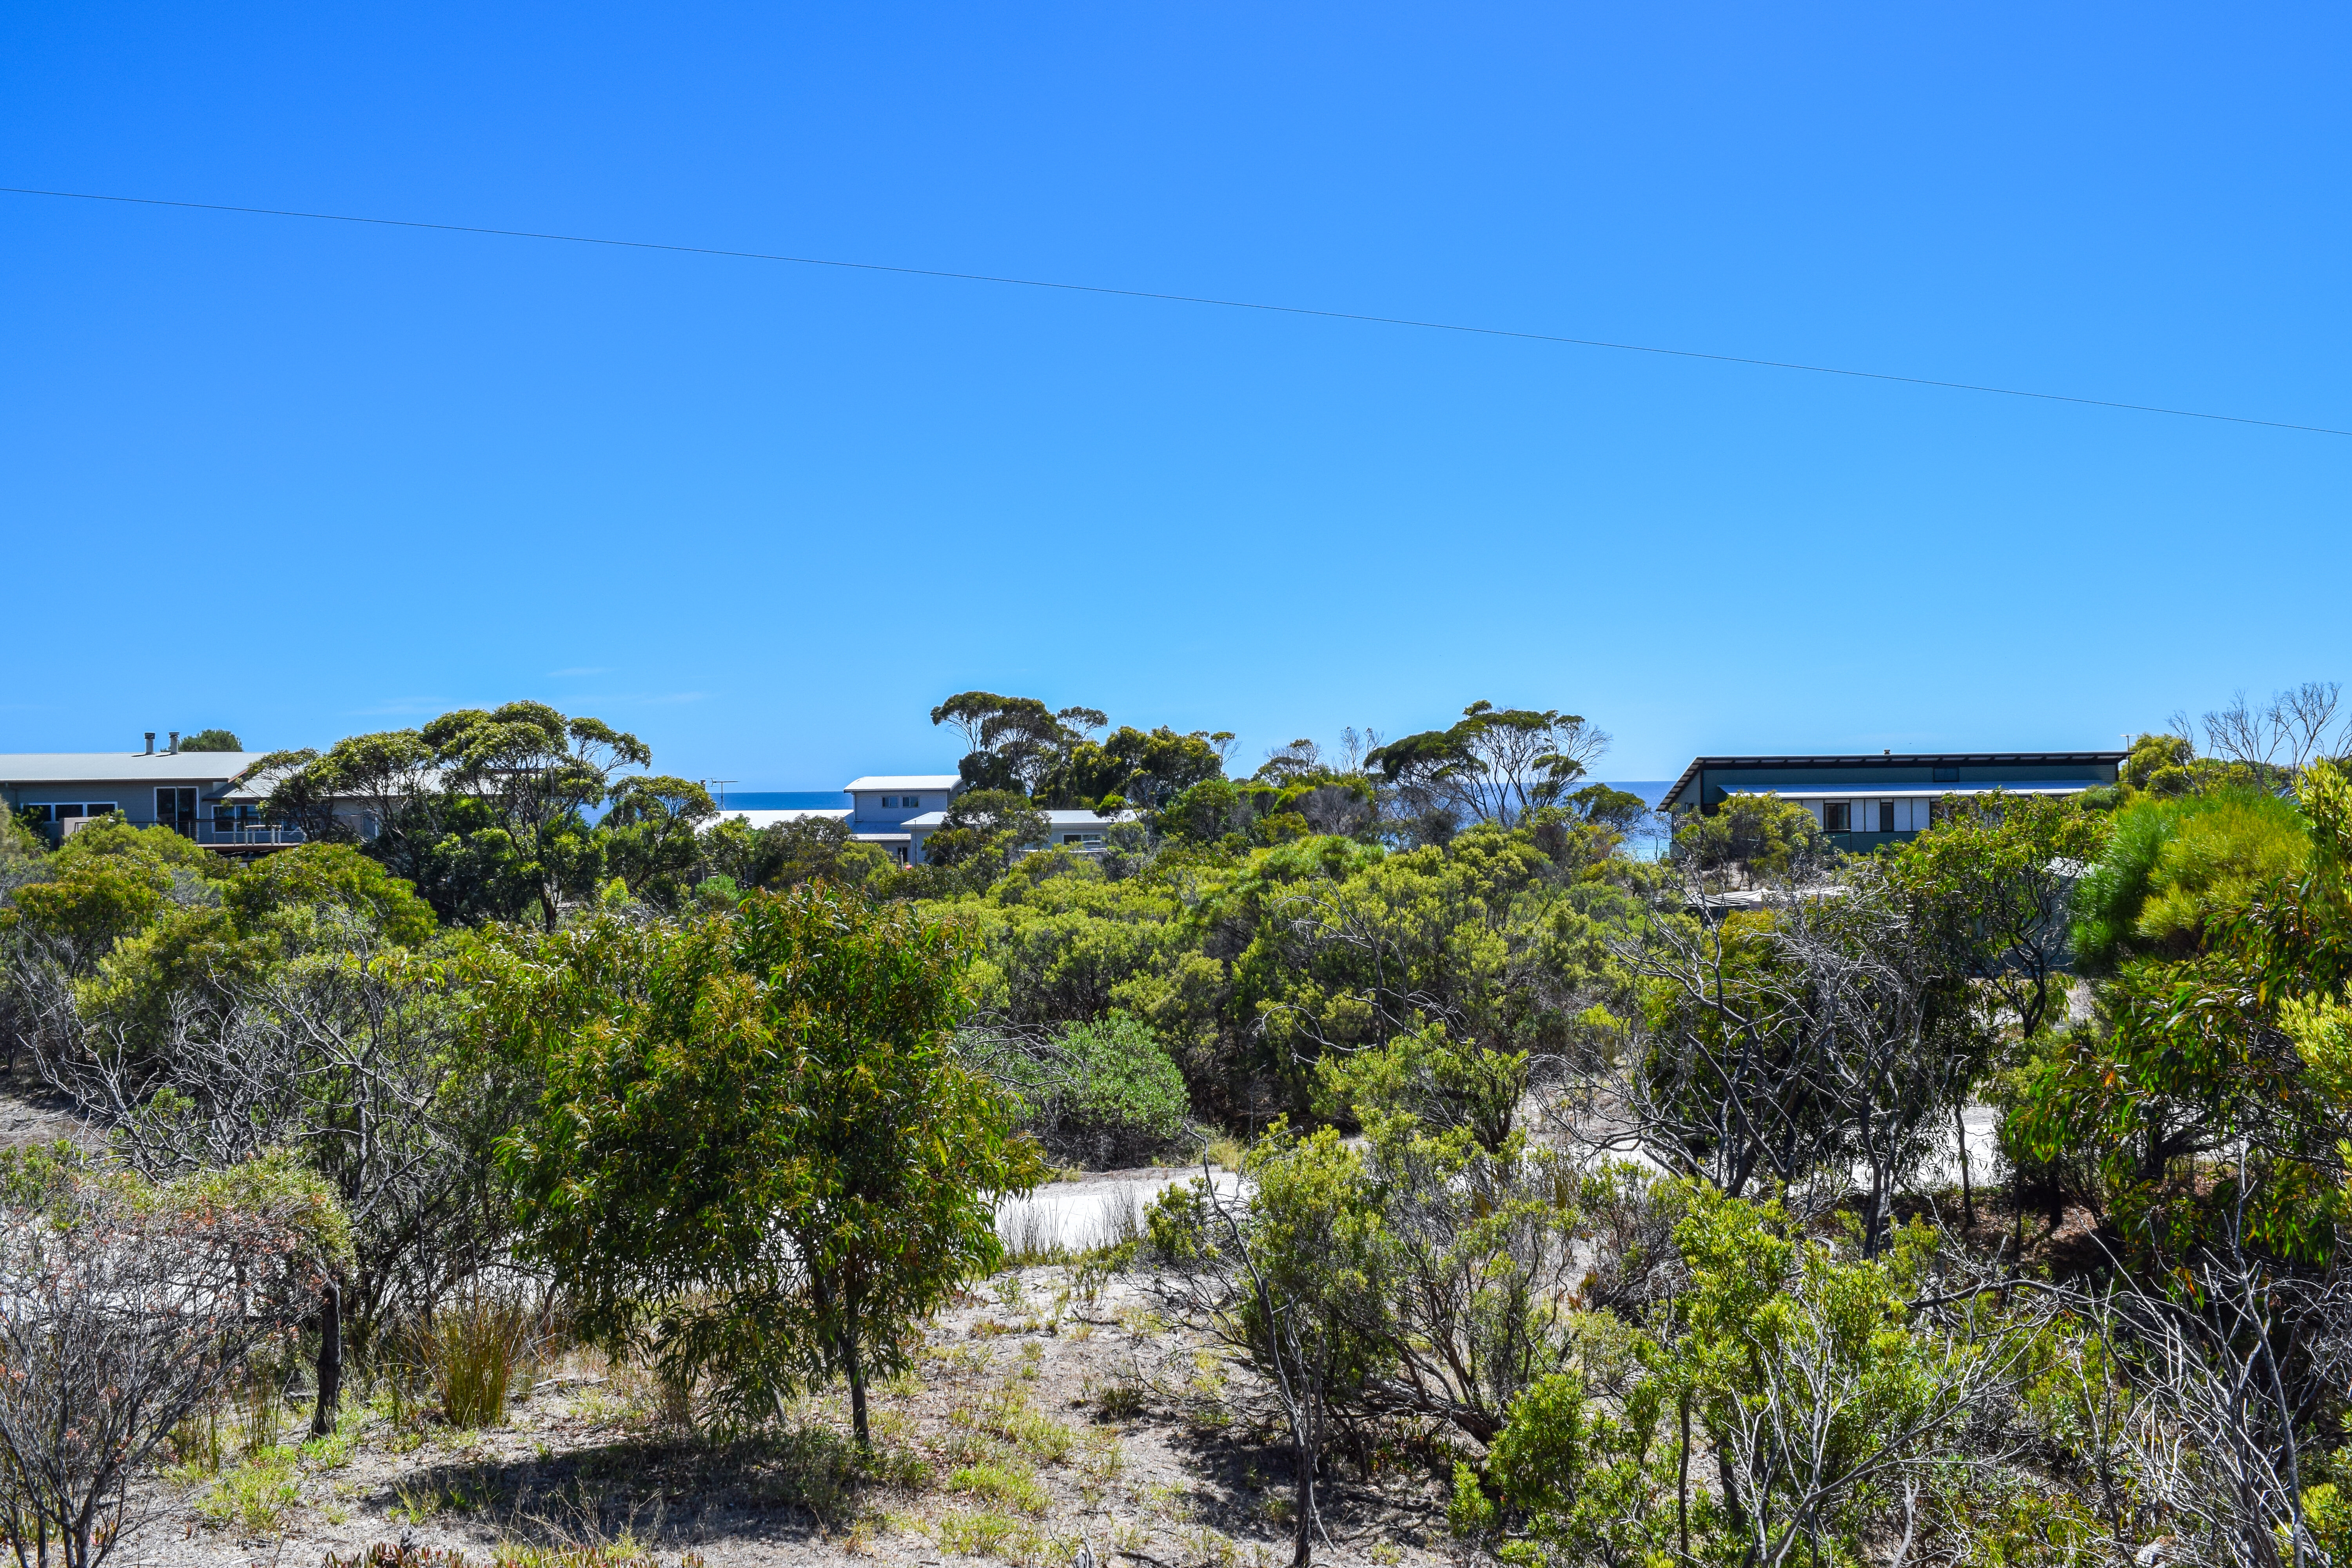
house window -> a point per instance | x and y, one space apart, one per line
1885 817
1837 816
65 811
910 800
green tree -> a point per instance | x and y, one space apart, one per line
1495 765
482 810
1748 836
754 1146
1142 768
2214 1043
1996 876
1015 742
786 854
984 829
652 836
212 741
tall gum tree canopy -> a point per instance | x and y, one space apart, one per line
483 810
1017 743
1495 764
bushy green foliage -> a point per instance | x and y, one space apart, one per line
784 855
2232 942
1838 1415
105 884
754 1151
1105 1090
983 831
315 875
1995 878
1250 966
2172 862
1751 835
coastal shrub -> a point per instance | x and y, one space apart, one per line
131 1305
2171 862
1107 1091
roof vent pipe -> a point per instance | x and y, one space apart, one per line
151 743
175 742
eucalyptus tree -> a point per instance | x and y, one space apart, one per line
1495 764
483 810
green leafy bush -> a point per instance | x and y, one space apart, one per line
2171 862
1107 1091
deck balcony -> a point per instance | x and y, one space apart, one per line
220 829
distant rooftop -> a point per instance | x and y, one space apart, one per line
114 767
918 782
756 820
933 819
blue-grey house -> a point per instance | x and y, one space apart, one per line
1865 801
193 793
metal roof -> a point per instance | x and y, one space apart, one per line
933 820
1888 759
756 820
903 781
1864 789
124 767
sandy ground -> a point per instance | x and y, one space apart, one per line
1037 1418
1045 1411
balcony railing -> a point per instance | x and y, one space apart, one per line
214 832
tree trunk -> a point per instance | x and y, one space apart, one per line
330 1359
1682 1480
1968 1194
1302 1552
856 1381
1733 1512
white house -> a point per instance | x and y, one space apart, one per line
1081 832
896 812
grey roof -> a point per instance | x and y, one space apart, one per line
902 780
756 820
1859 789
124 767
936 819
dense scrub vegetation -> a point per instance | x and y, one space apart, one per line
1623 1176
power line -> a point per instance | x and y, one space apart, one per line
1182 299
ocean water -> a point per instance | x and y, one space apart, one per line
1650 790
781 799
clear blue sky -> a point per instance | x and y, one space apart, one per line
304 479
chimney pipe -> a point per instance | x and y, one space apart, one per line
175 742
151 743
